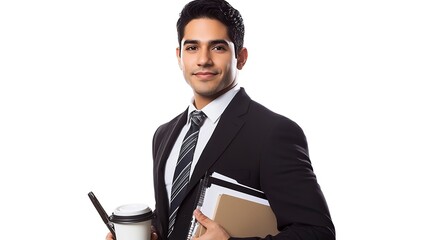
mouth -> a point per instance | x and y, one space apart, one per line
205 74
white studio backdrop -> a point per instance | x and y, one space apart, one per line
84 85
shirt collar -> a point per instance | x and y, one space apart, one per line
215 108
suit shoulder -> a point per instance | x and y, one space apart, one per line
273 117
165 126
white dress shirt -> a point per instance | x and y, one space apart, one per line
213 112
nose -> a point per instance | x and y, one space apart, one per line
204 58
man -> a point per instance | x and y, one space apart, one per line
238 137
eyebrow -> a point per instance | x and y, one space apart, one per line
212 42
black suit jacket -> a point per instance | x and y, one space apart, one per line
258 148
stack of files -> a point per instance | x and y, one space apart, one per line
242 211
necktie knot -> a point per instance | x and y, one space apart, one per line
198 117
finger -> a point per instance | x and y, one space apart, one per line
109 236
154 235
202 219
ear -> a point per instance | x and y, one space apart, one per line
242 58
179 59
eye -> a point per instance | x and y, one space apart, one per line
219 48
191 48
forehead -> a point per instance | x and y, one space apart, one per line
205 29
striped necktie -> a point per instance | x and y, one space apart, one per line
183 167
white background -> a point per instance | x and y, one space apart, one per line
85 83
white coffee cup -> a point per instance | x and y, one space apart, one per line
132 222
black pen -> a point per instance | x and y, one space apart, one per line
102 213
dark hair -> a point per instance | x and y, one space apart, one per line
219 10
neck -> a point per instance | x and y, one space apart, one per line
201 101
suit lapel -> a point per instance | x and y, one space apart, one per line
229 125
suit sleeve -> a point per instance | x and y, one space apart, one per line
291 187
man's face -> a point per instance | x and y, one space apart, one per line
207 59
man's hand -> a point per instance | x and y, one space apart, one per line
153 236
214 231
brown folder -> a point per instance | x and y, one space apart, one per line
243 218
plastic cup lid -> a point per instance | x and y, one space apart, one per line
131 213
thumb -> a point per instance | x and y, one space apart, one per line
203 219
